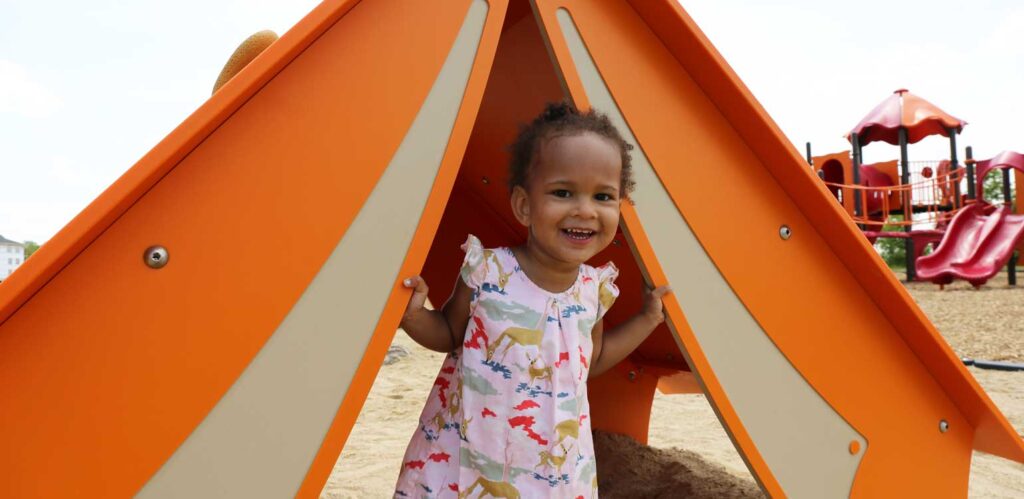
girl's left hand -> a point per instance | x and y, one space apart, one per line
653 308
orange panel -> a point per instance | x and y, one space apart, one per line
422 242
522 81
112 364
621 400
846 164
889 168
993 433
823 298
656 275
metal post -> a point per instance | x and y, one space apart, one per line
971 193
908 209
953 166
1015 254
1011 266
810 160
855 143
1007 195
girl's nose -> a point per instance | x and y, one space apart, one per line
585 209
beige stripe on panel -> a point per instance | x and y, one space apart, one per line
260 439
803 440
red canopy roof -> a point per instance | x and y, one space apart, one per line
902 108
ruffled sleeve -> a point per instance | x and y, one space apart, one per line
474 268
607 291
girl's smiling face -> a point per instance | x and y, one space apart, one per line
571 200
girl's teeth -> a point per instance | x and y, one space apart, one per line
578 234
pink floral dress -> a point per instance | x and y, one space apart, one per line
508 414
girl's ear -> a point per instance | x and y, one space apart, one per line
521 205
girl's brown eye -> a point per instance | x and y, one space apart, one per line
604 197
562 193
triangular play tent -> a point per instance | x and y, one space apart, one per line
155 345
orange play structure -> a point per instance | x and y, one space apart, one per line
837 173
147 352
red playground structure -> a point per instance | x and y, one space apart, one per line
982 237
970 238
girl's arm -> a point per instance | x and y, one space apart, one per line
439 330
614 346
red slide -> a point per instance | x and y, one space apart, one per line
975 246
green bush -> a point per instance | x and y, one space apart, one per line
893 251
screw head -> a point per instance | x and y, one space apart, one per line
943 426
785 232
156 257
632 375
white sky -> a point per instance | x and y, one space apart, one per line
87 87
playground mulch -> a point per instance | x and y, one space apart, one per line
985 323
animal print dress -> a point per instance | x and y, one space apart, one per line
508 414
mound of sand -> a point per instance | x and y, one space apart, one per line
626 468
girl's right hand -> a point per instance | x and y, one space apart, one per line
439 330
419 296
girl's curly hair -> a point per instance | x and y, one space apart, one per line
559 119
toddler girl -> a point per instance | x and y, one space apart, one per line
508 415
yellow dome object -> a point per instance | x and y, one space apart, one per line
244 54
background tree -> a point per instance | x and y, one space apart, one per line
992 186
30 247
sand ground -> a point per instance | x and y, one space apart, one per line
697 459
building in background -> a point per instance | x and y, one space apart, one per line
12 254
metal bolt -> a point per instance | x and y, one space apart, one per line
615 242
156 257
486 180
943 426
632 375
785 232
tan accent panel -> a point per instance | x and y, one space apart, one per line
803 440
262 436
